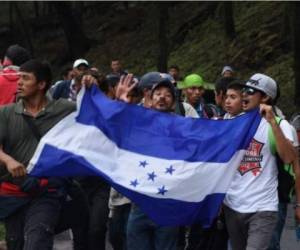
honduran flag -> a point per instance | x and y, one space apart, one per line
176 169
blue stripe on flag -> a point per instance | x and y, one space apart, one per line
169 212
167 136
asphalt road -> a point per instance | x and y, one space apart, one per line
288 240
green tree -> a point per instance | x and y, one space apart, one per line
228 19
163 45
77 41
295 27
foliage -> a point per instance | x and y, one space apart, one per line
129 31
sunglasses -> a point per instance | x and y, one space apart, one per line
249 91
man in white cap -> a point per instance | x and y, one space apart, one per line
68 89
251 203
227 71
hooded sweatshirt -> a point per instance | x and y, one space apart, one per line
8 84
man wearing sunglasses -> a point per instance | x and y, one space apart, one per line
251 204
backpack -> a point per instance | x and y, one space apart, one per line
286 176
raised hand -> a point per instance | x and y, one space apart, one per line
124 87
267 112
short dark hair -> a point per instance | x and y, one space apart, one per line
222 84
17 54
236 85
174 67
65 71
40 69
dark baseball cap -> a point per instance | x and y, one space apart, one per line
148 80
164 83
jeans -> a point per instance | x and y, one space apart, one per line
275 241
32 227
143 233
118 225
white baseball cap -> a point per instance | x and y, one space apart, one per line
227 68
263 83
79 62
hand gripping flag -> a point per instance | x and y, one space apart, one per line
176 169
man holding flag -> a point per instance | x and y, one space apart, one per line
142 232
251 203
30 206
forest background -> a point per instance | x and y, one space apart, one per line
200 37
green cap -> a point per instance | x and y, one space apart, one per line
192 80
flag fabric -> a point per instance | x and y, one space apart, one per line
176 169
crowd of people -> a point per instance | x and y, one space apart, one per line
34 209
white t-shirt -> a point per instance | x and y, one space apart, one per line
254 187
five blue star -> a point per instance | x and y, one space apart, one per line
134 183
152 176
170 170
143 164
162 190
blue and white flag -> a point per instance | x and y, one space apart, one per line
176 169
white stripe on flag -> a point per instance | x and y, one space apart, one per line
188 182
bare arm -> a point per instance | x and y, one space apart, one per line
285 149
15 168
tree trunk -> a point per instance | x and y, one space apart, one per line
295 27
36 9
77 42
11 16
78 10
228 19
163 46
22 23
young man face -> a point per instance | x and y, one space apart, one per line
162 99
228 73
233 102
174 73
252 98
116 66
28 86
82 68
193 94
